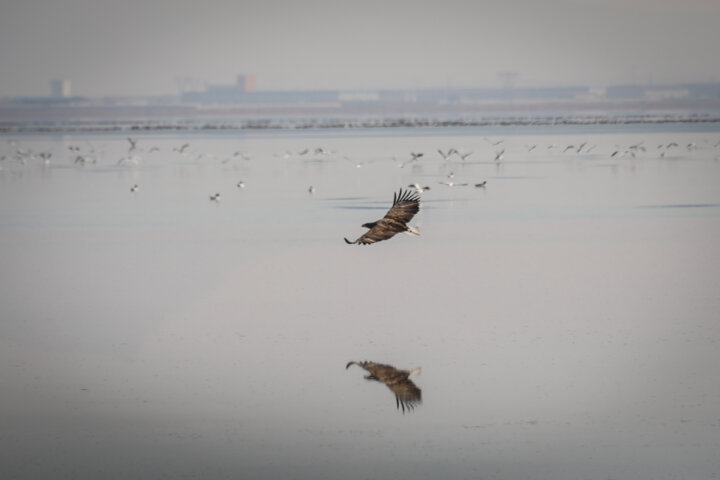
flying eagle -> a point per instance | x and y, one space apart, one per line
407 394
405 205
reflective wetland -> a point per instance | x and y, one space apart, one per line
565 315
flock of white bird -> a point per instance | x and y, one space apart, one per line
492 151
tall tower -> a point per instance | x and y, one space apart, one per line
246 83
507 81
60 88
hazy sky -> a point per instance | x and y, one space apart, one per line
144 46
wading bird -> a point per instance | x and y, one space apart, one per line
407 394
405 205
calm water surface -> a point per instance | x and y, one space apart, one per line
566 316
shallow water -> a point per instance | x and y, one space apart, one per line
565 316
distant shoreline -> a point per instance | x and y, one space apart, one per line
52 118
199 124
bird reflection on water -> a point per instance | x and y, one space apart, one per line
407 394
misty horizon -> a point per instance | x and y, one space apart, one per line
128 50
205 86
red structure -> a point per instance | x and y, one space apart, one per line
246 83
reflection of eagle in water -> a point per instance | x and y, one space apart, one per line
405 205
407 394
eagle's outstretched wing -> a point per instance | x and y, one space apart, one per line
405 205
407 394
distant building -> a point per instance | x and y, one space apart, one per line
691 91
60 88
244 92
246 83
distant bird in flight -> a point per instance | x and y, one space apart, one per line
464 156
182 148
407 394
215 197
453 184
494 143
414 157
405 205
84 159
134 188
418 188
243 155
447 155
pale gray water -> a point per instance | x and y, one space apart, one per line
567 316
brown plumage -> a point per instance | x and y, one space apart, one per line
405 205
407 394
